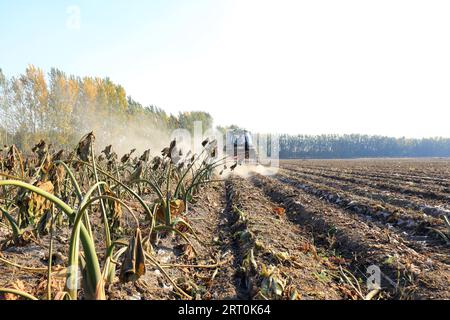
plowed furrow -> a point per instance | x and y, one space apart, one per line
209 215
365 243
408 225
275 241
383 174
393 198
381 185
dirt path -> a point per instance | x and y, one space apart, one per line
210 219
270 240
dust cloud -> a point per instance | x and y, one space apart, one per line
142 134
248 170
126 134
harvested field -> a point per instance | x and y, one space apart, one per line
317 230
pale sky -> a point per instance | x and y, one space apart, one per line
374 67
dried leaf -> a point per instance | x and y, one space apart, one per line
136 175
16 285
280 212
84 146
40 149
33 206
115 209
133 266
188 251
177 207
145 156
107 151
127 156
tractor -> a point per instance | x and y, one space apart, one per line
240 147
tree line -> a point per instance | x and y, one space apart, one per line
60 108
360 146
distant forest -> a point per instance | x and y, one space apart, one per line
360 146
60 108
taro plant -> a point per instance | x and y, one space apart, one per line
186 176
82 184
92 276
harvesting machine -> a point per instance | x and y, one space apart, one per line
240 147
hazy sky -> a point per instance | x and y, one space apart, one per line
376 67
